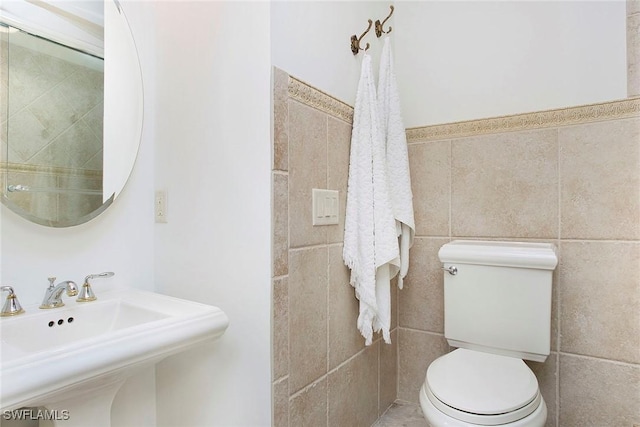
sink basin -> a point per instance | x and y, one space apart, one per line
53 357
61 328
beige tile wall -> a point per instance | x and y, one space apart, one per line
570 177
51 206
323 375
51 133
54 104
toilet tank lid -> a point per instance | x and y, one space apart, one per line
506 254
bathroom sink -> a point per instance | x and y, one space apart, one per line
50 329
57 355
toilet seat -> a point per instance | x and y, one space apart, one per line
482 388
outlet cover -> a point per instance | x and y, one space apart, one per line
161 206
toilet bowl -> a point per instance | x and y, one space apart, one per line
468 388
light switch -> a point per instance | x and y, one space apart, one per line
325 206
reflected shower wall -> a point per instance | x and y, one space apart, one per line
51 129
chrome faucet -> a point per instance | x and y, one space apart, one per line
53 294
11 306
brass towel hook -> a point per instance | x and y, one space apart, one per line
379 26
355 41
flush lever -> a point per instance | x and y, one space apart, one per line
452 270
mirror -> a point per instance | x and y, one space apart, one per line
70 121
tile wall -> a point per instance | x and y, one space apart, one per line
323 375
570 177
51 128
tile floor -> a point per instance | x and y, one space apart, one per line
402 414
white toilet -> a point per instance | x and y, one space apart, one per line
497 311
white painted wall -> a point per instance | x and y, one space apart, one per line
461 60
312 41
213 150
119 240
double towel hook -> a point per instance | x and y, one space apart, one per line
379 29
355 40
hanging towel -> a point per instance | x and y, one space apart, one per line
393 134
370 239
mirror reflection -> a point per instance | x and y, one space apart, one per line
70 122
54 118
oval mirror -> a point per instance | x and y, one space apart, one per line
72 108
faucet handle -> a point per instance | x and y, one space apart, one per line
11 306
99 275
52 281
86 293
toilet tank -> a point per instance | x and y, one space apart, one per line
499 300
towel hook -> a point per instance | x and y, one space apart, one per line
379 26
355 40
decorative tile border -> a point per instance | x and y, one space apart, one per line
543 119
54 170
612 110
308 95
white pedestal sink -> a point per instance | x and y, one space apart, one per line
72 360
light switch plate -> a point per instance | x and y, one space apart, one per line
325 207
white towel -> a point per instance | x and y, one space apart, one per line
370 239
393 134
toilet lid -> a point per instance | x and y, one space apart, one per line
482 383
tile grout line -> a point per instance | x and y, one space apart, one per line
280 380
528 238
558 157
308 247
397 361
600 359
398 349
288 127
450 170
379 380
439 334
558 290
328 269
338 367
628 241
557 389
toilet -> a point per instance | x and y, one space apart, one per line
497 312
